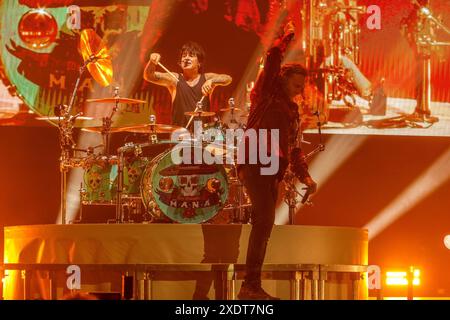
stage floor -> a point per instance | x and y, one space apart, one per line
174 244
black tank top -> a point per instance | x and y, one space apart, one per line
186 99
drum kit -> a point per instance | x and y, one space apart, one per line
141 184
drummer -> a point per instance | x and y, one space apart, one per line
186 88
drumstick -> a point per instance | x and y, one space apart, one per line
167 70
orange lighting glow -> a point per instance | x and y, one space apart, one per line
400 278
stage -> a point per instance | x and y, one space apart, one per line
168 260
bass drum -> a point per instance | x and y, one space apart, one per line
183 192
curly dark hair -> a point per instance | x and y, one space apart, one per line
197 50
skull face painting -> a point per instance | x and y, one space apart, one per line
188 185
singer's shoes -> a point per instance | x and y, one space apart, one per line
254 293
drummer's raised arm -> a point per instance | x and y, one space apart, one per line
161 78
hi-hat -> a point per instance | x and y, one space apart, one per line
116 100
95 54
200 113
152 128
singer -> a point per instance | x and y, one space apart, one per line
272 107
186 88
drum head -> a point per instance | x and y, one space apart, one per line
100 182
186 193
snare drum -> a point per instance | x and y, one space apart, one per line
186 193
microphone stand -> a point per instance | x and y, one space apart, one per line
425 43
291 192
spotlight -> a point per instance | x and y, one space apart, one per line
447 241
400 278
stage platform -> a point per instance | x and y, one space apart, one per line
172 261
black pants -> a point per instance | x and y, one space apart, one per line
263 192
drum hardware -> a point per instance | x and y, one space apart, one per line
106 129
241 208
116 100
332 30
418 29
233 110
422 36
120 169
342 87
198 112
153 137
82 192
132 208
291 192
98 62
123 199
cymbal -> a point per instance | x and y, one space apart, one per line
220 149
99 129
118 100
80 118
150 128
95 53
200 113
234 109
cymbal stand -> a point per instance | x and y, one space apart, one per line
67 142
107 123
120 169
153 135
198 108
232 115
291 192
424 42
